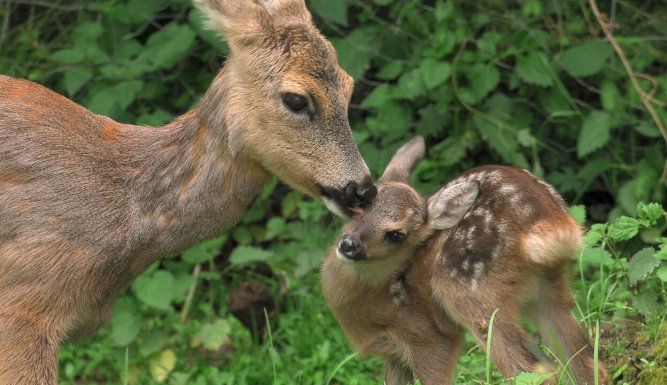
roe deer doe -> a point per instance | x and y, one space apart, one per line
87 204
412 273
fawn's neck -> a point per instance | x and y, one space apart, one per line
189 184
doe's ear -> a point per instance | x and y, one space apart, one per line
404 161
238 20
448 205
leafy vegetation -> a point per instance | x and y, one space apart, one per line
530 83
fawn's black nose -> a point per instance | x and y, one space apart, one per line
350 247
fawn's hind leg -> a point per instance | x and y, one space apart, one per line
560 331
28 355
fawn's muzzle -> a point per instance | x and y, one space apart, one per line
350 248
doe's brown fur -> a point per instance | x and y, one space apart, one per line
410 276
87 203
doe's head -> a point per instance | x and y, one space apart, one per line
286 100
400 219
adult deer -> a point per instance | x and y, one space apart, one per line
87 204
409 276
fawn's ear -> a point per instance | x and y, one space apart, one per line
448 205
404 161
243 22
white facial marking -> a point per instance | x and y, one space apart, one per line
334 208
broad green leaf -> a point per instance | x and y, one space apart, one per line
161 364
662 273
155 290
125 326
533 69
197 254
378 97
597 233
585 59
529 378
274 227
647 304
578 213
169 45
597 256
152 342
651 212
647 129
75 78
482 79
642 264
594 133
68 56
609 95
411 85
335 11
355 51
214 335
434 72
623 228
390 71
247 254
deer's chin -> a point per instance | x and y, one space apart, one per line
336 208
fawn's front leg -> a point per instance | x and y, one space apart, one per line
434 363
28 355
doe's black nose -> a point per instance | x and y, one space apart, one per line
350 248
359 194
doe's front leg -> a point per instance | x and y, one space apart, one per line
28 355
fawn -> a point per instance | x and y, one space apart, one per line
410 275
87 203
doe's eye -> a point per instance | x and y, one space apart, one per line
395 237
295 102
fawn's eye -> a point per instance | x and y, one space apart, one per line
396 237
296 103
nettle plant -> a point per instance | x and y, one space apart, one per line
629 258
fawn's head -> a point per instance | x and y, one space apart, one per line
286 100
400 219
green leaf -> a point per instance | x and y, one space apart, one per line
597 256
594 133
246 254
482 79
335 11
434 72
169 45
650 213
125 326
155 290
609 95
196 255
154 341
578 213
623 228
354 51
642 264
647 129
662 273
274 227
597 233
378 97
533 69
647 304
214 335
75 78
68 56
585 59
411 85
390 71
529 378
